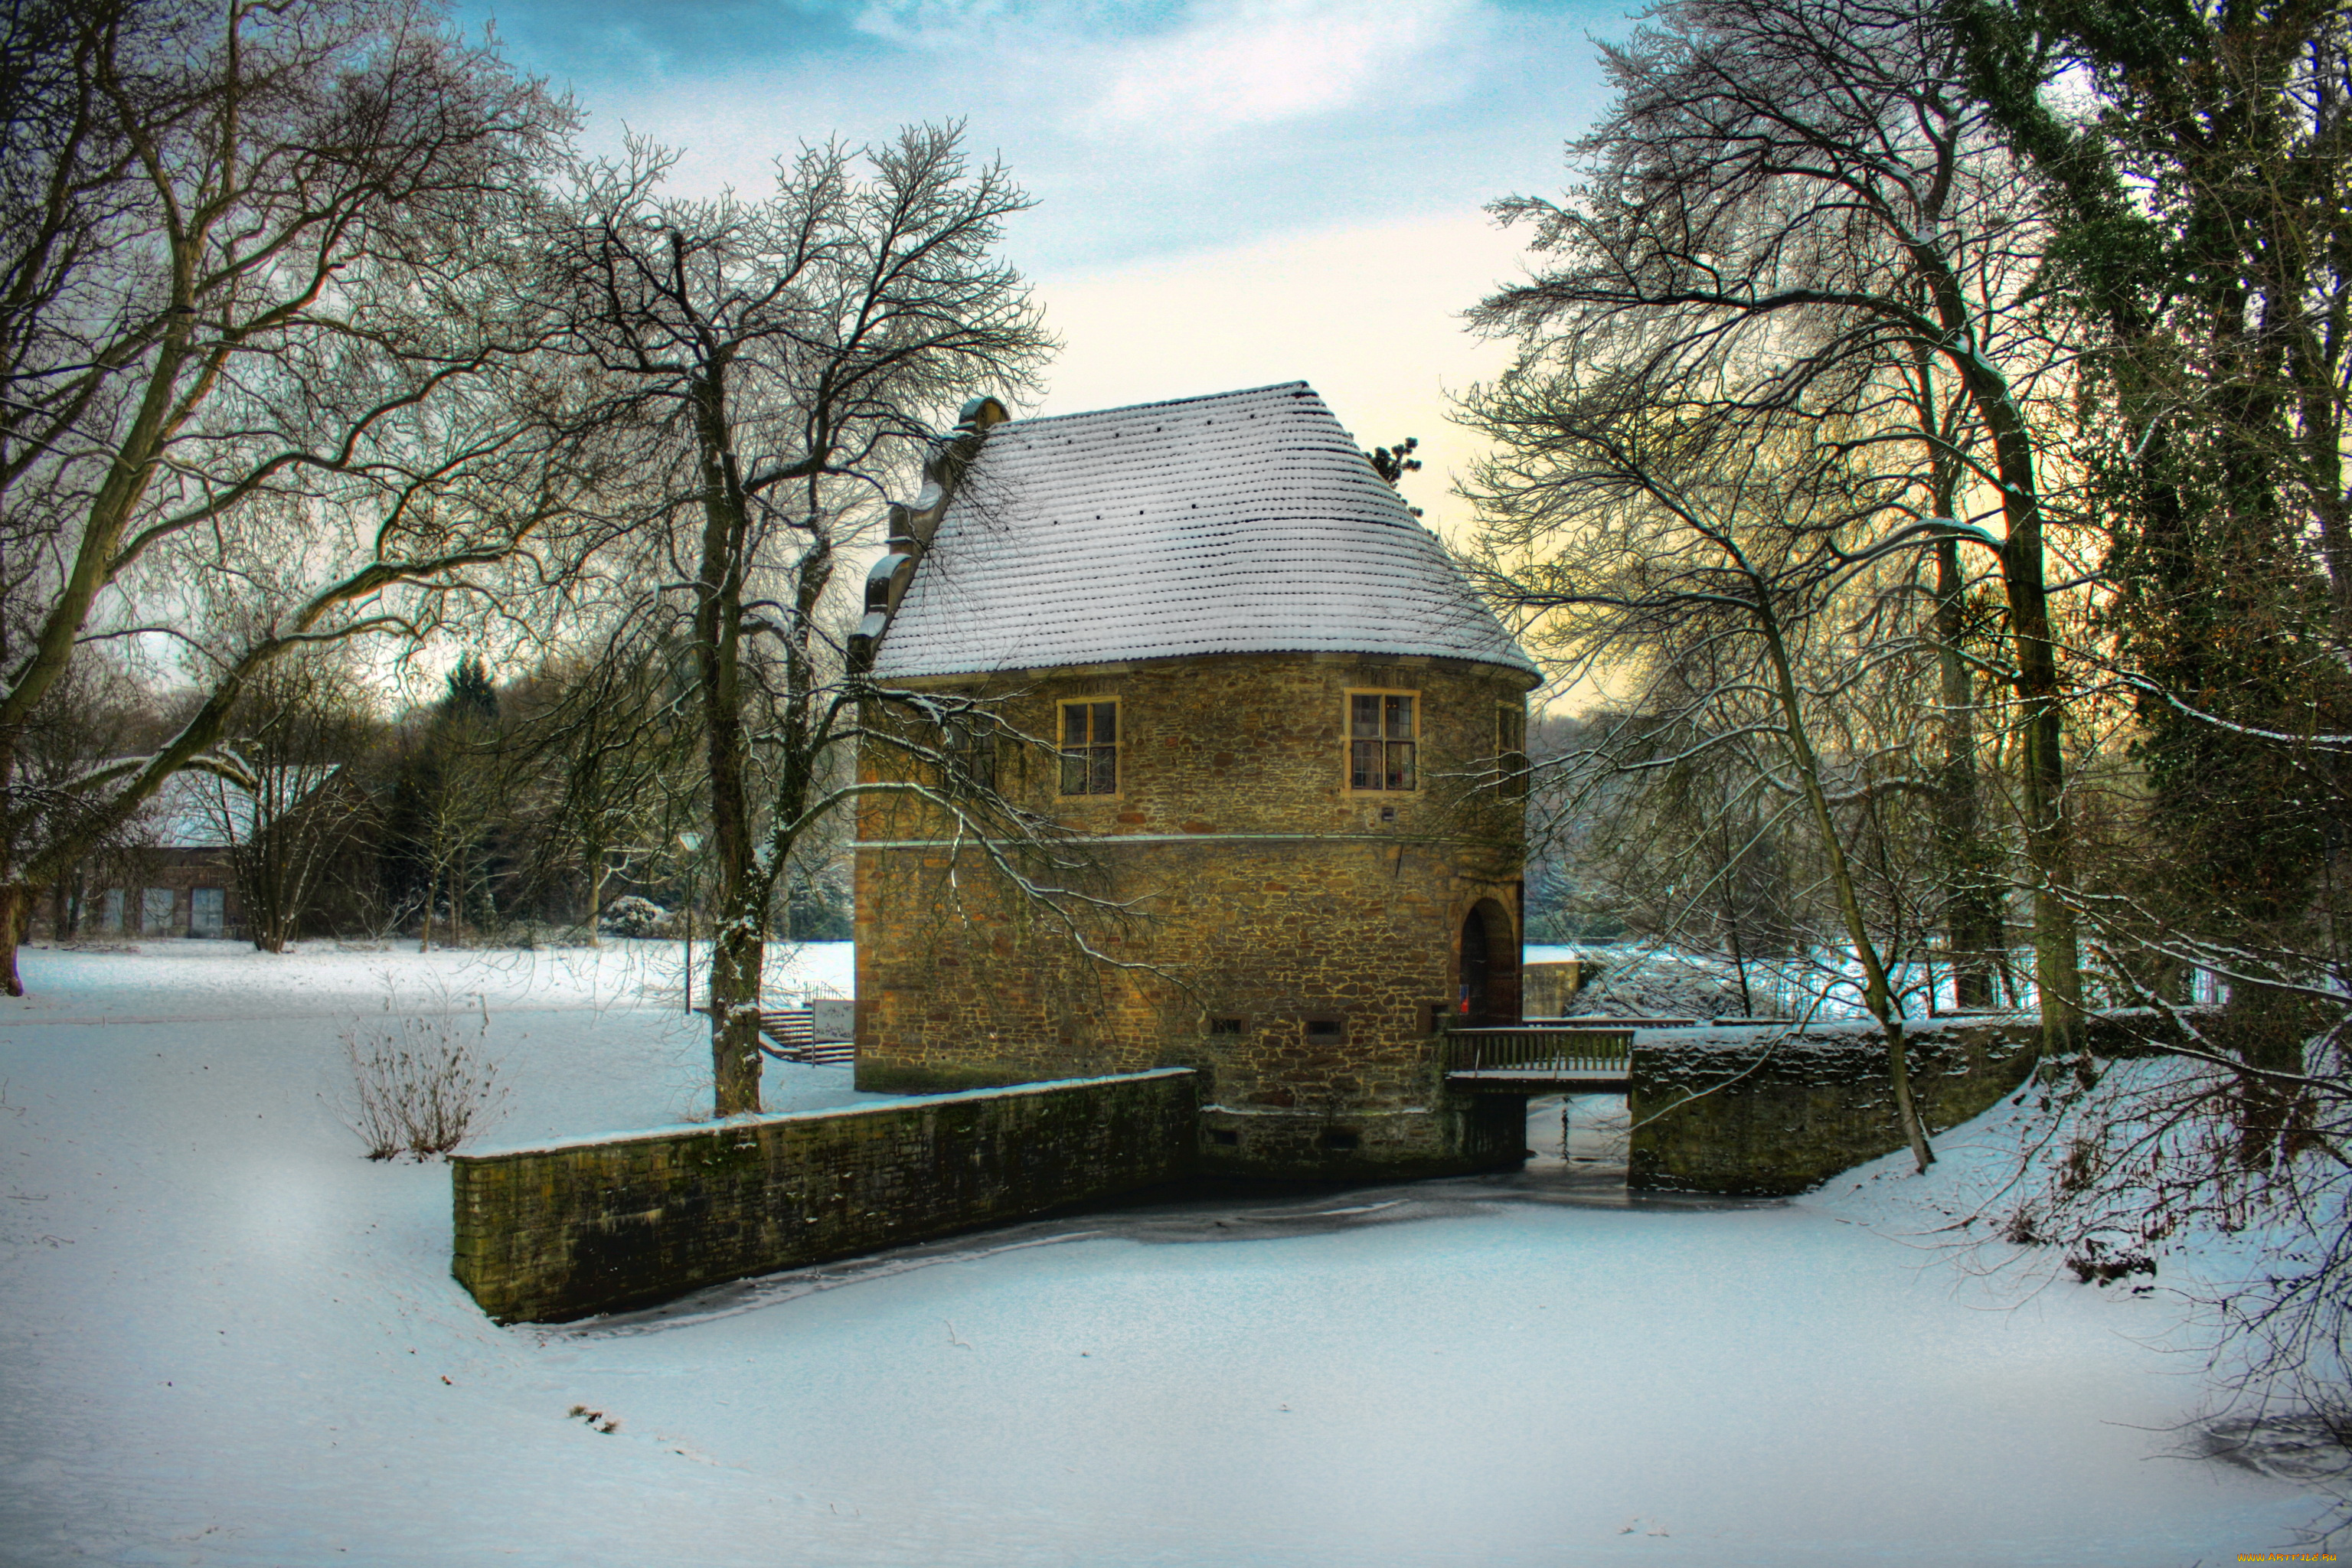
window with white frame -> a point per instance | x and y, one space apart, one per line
1090 746
1383 734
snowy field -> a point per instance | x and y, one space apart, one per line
225 1338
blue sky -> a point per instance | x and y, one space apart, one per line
1229 192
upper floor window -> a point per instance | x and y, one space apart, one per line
1090 747
1381 736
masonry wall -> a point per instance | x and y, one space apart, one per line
1740 1112
1290 938
131 875
561 1232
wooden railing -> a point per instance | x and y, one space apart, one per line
1536 1047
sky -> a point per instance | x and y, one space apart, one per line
1229 192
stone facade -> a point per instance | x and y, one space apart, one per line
1294 938
144 892
1546 989
550 1234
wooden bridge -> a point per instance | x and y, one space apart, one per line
1586 1057
1541 1058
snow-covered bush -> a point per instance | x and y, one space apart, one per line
1660 984
422 1086
2229 1191
633 916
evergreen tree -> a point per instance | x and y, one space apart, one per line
1393 463
2201 250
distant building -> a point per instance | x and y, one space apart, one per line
1282 724
175 877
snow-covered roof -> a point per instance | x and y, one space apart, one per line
1242 522
204 811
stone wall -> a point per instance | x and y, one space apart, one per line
1743 1111
1546 989
548 1234
1455 1132
1290 938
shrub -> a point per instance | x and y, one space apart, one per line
421 1086
633 916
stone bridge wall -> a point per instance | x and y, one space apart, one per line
1725 1111
548 1233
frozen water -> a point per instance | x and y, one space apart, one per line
225 1338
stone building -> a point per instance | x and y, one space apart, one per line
176 875
173 877
1217 652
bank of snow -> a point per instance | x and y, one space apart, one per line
226 1339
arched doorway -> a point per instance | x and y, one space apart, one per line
1489 992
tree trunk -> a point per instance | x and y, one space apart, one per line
2057 963
596 874
1739 965
1906 1110
1876 995
16 906
1973 926
737 955
274 928
736 951
261 879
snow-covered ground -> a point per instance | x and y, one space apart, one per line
225 1338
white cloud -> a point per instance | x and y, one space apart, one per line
1217 122
932 24
1255 62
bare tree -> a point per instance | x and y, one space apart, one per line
1797 197
606 749
98 710
1692 851
294 736
777 362
259 339
449 794
1747 588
